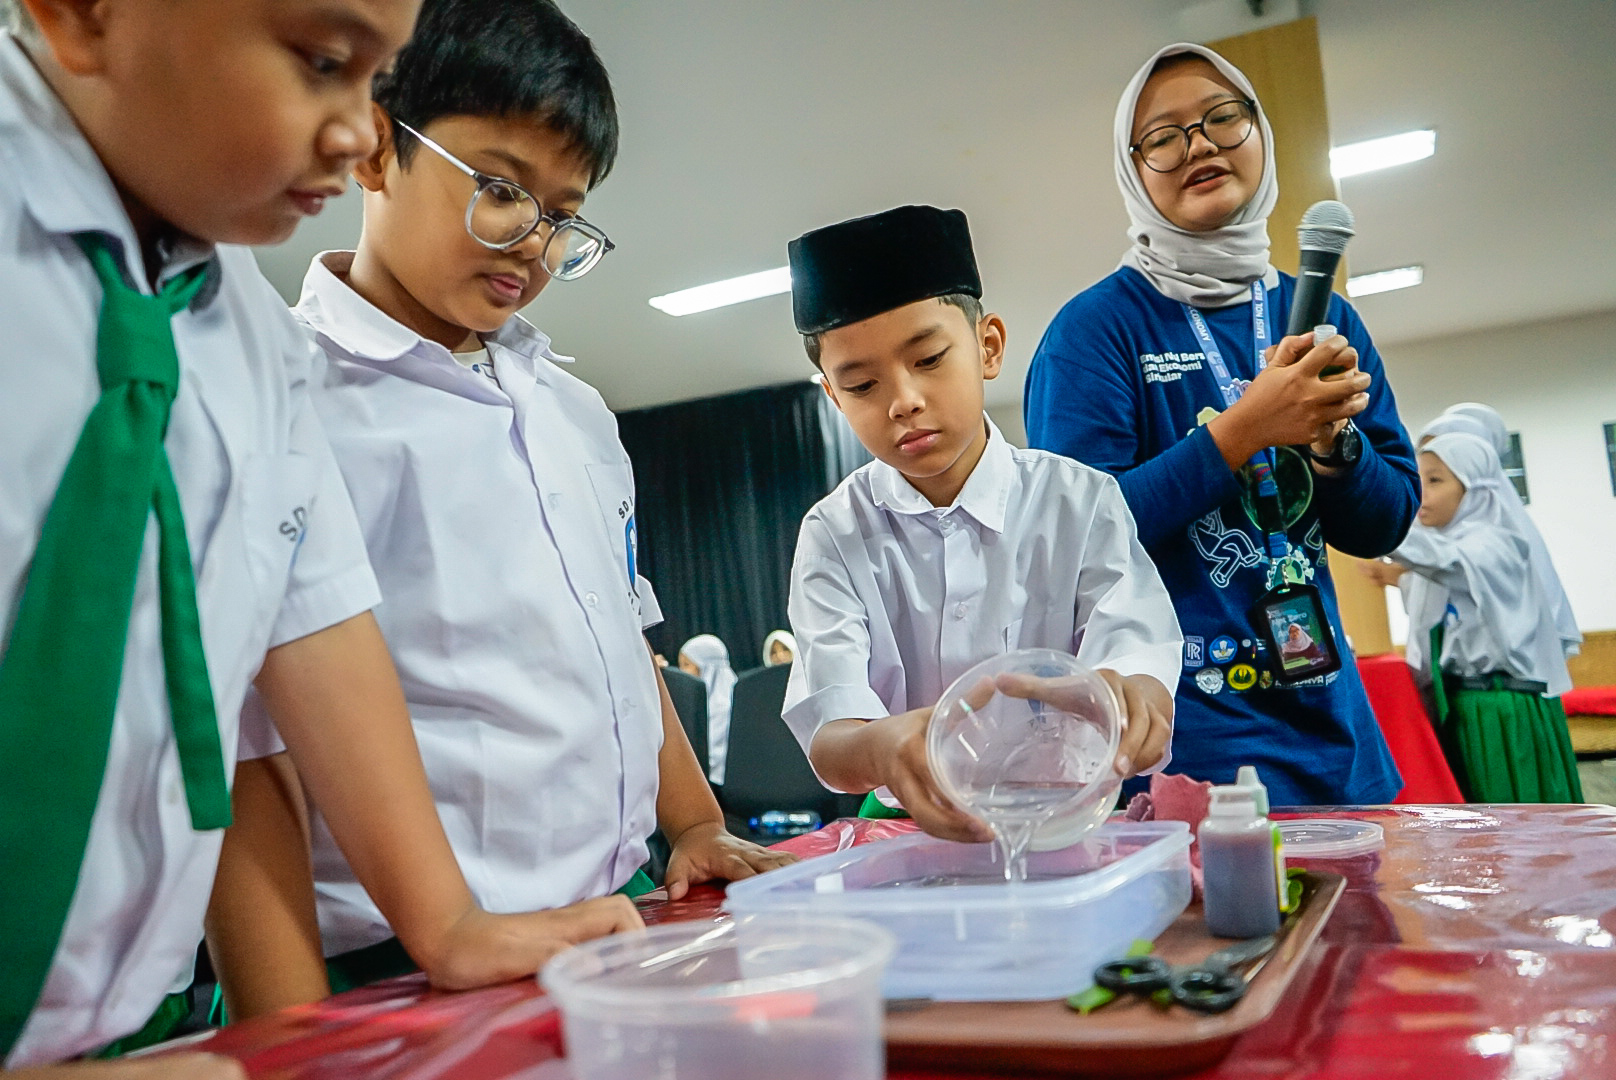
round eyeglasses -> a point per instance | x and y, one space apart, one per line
502 213
1226 125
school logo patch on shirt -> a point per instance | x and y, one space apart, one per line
1194 652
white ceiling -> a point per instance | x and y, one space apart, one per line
746 122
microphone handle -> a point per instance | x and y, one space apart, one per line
1315 279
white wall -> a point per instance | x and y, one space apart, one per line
1555 383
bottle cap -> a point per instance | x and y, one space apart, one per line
1322 333
1231 801
1247 778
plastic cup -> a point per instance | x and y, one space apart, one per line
1030 768
791 997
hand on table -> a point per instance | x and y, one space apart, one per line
482 949
708 852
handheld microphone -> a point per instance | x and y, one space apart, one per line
1322 236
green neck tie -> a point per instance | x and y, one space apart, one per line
60 669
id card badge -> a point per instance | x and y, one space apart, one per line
1290 620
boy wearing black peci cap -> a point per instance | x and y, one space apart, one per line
952 546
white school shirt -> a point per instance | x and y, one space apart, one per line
276 550
892 599
499 514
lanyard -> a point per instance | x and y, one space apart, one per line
1263 462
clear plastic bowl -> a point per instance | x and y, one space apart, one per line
965 934
790 996
1011 760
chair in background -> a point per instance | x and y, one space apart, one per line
766 769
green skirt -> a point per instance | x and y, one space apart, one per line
1511 747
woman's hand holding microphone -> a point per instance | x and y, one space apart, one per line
1292 401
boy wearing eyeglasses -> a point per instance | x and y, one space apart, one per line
495 499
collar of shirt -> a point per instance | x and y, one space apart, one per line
62 182
362 330
985 496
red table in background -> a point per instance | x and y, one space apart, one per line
1480 944
1403 720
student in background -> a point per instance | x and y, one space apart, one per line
172 526
496 502
1496 667
707 658
1162 375
1483 422
951 546
779 648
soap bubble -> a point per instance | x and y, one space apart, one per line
1027 742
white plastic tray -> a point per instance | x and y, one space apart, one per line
965 935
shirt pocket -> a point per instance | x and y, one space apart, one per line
613 484
1012 636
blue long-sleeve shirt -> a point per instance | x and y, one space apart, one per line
1120 382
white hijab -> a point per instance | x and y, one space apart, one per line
711 658
1488 550
1207 269
1483 420
785 638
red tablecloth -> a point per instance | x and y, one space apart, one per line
1480 944
1407 727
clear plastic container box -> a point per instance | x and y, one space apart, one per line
964 934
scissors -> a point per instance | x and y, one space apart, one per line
1212 986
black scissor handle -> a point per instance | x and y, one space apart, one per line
1207 991
1139 975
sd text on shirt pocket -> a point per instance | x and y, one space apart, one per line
613 483
277 499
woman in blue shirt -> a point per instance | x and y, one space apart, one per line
1126 379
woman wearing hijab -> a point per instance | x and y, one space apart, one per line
779 648
707 658
1497 666
1483 421
1162 375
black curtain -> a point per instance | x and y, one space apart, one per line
723 484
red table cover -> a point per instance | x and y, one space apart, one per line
1403 720
1479 944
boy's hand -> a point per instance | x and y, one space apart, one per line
157 1067
1146 706
482 949
1291 402
708 852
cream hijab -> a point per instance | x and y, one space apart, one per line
1207 269
1484 547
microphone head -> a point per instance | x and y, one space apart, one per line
1327 226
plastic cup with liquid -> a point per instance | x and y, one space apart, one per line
1027 742
791 997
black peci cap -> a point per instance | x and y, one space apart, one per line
857 269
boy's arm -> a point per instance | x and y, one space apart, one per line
336 700
1129 631
841 723
689 816
262 932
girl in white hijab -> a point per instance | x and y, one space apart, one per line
1498 665
1172 374
1483 421
779 648
707 658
